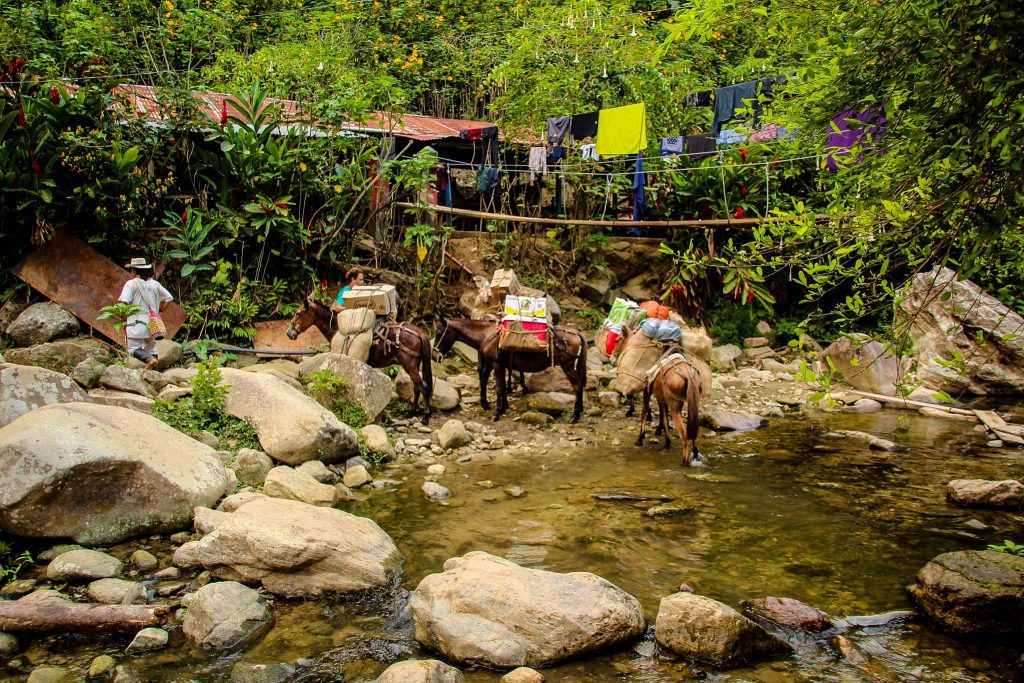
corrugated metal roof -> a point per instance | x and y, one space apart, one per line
144 101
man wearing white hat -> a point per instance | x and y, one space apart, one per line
149 295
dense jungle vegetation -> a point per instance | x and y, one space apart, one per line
248 216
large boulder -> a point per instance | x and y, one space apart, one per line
421 671
365 387
973 592
865 364
100 474
24 388
723 358
41 323
293 549
61 356
982 493
948 317
120 378
292 427
224 615
487 611
698 627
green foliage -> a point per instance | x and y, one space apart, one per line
1008 547
119 313
11 563
328 389
732 322
203 410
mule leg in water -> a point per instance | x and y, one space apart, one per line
675 410
643 415
483 370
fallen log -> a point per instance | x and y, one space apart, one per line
76 617
908 403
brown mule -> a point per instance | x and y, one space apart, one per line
472 333
395 344
678 381
570 354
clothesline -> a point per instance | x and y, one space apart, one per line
697 223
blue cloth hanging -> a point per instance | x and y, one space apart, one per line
639 182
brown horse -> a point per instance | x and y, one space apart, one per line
679 380
570 354
394 344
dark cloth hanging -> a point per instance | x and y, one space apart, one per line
558 128
556 155
477 134
853 128
701 146
731 98
487 178
492 149
639 183
584 125
702 98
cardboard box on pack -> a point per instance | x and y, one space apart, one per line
504 283
381 299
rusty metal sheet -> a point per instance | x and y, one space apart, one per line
71 273
270 335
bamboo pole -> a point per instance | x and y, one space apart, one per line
17 615
908 403
709 223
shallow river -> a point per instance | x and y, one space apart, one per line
786 511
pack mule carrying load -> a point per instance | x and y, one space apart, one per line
625 314
524 326
355 333
381 299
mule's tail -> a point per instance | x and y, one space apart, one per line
692 404
581 362
426 369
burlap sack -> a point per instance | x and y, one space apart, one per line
354 345
515 338
355 320
639 353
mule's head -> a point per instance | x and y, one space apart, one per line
445 337
302 319
620 344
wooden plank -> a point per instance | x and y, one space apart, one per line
272 335
71 273
997 424
908 403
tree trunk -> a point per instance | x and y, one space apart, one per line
78 617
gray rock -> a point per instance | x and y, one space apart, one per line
552 403
61 356
523 674
787 612
723 358
487 611
121 399
468 353
318 471
148 639
710 631
755 342
18 588
160 475
102 667
981 493
284 482
169 353
377 441
538 419
41 323
49 674
729 421
143 560
122 674
434 491
88 372
421 671
453 434
865 364
973 592
117 592
24 388
356 476
864 405
83 565
9 312
119 378
445 397
225 614
244 672
251 466
172 393
8 645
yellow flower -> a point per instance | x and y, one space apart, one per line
337 189
302 166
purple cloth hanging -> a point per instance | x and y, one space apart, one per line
639 182
871 123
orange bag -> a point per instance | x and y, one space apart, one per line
662 312
650 308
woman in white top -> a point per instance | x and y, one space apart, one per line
149 295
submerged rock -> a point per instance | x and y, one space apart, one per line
225 614
421 671
973 592
488 611
787 612
710 631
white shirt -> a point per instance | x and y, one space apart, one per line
147 295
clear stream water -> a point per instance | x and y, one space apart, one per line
787 511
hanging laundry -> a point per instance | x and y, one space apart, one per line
852 129
538 162
733 97
639 183
622 130
730 137
556 155
702 98
589 151
766 133
558 128
673 145
584 125
701 146
487 178
474 134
